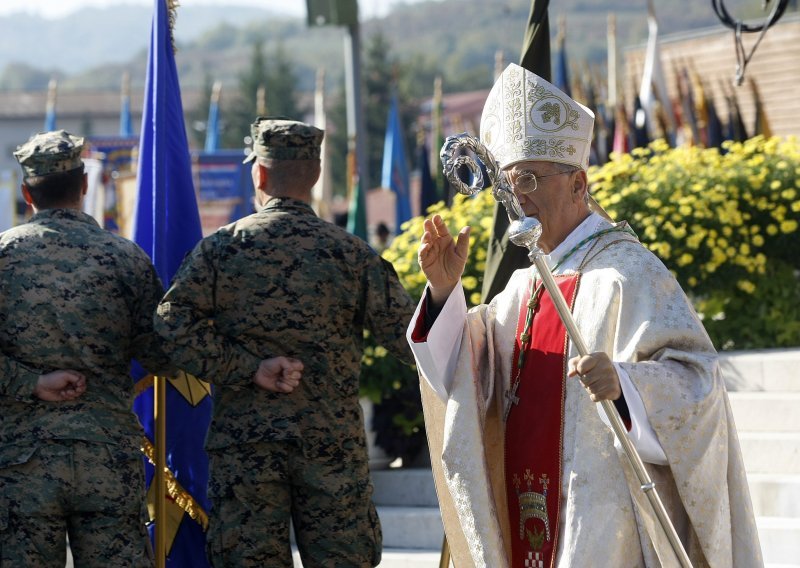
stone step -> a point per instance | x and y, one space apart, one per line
780 540
411 527
398 558
766 411
407 487
775 495
771 452
761 370
410 558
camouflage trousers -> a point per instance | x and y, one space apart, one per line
78 489
324 488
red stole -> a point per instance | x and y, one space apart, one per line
534 431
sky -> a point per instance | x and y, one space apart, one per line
58 8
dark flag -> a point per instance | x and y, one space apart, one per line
761 125
713 125
736 130
638 129
503 257
357 209
427 188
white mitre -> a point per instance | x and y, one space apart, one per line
527 118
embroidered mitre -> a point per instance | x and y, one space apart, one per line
527 118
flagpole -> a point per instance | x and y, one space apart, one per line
160 416
612 60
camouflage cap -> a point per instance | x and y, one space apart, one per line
283 139
49 153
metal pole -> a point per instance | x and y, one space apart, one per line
356 131
646 484
444 558
160 416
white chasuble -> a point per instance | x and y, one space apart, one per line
629 306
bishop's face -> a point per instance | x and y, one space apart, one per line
551 193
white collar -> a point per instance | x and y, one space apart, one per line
587 227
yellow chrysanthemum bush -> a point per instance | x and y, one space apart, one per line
392 385
726 224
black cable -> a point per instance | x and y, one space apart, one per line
722 13
739 27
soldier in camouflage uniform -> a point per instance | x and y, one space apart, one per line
283 281
76 304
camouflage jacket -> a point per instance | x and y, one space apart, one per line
282 282
72 296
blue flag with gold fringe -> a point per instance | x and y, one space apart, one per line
167 226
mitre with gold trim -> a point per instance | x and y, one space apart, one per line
527 118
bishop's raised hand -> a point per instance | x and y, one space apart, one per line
442 258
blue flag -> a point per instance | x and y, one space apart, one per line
395 168
50 112
167 226
561 69
125 125
212 126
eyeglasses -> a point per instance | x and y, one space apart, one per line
527 182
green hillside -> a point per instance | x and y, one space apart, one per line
455 38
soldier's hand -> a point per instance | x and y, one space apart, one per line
598 375
60 386
442 258
279 374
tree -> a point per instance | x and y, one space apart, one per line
276 77
382 73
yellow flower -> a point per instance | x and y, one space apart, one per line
469 282
758 240
789 226
746 286
718 256
685 259
694 240
475 299
772 230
